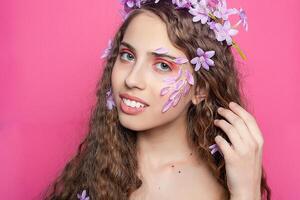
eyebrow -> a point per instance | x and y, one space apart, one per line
153 53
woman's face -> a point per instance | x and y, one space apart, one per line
140 70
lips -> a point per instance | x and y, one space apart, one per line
133 98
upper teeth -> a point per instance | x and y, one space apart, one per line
133 103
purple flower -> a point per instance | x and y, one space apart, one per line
83 196
184 3
131 3
222 12
243 19
225 32
214 148
107 50
200 12
203 59
109 100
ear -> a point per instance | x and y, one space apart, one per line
199 96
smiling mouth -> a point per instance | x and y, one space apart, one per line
131 107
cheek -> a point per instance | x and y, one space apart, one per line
175 89
117 79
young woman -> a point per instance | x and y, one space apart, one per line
169 87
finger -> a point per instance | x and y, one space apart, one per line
249 121
231 132
238 123
224 147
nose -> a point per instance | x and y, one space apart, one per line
136 77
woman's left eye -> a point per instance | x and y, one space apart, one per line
163 66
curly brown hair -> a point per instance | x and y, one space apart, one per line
106 163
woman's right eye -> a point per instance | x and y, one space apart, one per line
126 56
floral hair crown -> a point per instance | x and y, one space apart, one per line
214 13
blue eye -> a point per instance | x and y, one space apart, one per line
163 66
126 56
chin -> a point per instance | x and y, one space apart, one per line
132 125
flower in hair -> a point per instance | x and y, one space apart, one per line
222 12
203 59
131 3
214 148
184 3
243 19
224 32
110 103
83 196
200 12
212 12
213 3
107 50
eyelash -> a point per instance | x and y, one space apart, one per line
166 63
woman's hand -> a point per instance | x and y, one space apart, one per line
243 159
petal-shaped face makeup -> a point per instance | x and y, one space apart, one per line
178 86
150 76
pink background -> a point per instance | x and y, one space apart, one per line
50 63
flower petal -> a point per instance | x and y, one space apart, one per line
186 89
179 74
173 95
198 66
209 54
176 99
194 60
200 52
204 19
212 146
180 60
189 77
226 25
210 62
214 151
178 85
233 32
205 66
161 50
167 105
197 18
164 91
84 193
130 4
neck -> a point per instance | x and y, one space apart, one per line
164 145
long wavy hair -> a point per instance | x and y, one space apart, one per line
105 164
